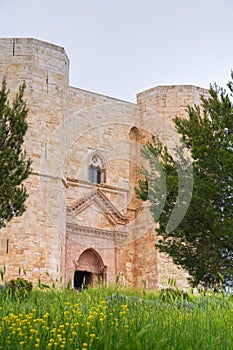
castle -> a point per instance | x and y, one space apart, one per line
83 220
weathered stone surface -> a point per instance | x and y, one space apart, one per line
71 223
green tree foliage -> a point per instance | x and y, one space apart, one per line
14 167
202 243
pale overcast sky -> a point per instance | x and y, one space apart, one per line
121 47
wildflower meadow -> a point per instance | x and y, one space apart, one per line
109 318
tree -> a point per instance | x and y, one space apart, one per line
14 167
202 243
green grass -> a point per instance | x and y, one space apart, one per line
109 318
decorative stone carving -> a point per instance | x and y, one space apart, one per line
95 232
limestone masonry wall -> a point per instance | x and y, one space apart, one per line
83 220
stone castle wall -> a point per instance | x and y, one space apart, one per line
67 215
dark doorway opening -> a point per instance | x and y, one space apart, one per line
82 279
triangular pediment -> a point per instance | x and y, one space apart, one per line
98 198
92 216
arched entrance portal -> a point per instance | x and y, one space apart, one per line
82 279
90 269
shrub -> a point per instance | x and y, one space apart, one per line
19 288
171 295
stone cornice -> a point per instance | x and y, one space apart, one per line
95 232
104 186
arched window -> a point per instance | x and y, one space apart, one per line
96 169
134 134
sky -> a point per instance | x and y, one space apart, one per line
121 47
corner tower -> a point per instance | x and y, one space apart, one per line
35 241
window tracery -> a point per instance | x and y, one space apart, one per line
96 170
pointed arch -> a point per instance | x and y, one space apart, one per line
91 260
89 269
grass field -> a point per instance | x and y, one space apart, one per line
110 318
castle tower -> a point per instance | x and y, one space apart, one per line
35 241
